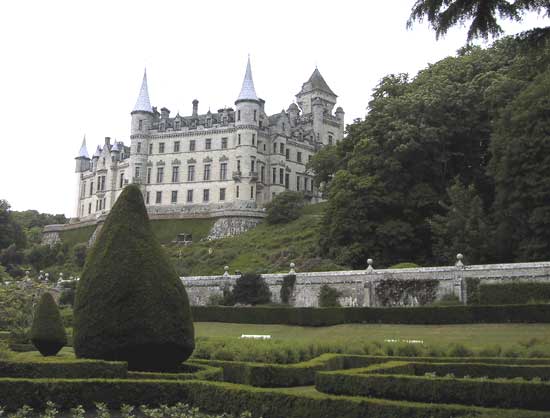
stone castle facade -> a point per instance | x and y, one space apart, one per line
234 159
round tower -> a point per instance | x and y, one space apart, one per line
247 117
82 165
317 109
142 120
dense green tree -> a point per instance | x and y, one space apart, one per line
47 331
10 231
130 304
328 297
482 14
285 207
462 229
79 254
251 289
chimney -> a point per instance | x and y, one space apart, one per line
164 113
195 107
107 140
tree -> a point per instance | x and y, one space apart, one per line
463 228
130 304
251 289
79 254
10 231
47 332
328 297
444 14
285 207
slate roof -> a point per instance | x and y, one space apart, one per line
316 82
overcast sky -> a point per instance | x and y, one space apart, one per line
69 68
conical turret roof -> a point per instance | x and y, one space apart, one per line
316 82
247 90
83 153
97 152
143 104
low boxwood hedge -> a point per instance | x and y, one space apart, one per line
187 371
218 397
441 390
491 371
63 369
436 315
514 292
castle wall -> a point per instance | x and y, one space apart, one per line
358 287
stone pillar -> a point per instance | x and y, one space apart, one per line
460 281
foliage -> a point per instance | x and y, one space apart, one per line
58 367
404 266
17 302
287 288
251 289
79 254
130 304
490 314
285 207
442 15
328 297
514 293
392 292
47 331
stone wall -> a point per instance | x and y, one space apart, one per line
358 287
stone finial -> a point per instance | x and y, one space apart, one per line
459 262
292 268
370 269
226 271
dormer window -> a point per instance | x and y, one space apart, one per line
208 122
177 125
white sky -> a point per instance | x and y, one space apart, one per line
69 68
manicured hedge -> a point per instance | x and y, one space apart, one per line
480 392
515 292
187 371
435 315
61 369
218 397
491 371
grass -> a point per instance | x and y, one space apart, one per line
264 249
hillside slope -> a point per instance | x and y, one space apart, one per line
265 249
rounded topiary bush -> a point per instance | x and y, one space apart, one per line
47 332
130 304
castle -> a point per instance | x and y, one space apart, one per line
231 159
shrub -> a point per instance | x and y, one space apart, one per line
251 289
513 293
130 304
287 288
79 254
328 297
285 207
47 331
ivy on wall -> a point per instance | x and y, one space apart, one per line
287 288
393 292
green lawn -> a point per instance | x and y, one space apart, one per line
473 336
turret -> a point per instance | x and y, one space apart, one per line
317 110
142 114
82 160
293 113
315 87
195 108
247 105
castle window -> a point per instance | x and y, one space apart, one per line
239 138
299 156
89 208
260 124
281 176
177 146
252 165
224 143
208 122
175 174
262 174
274 179
208 143
309 158
264 147
305 183
206 172
83 191
287 154
253 139
297 182
237 192
174 196
161 127
96 205
150 149
281 148
148 176
223 171
191 173
103 160
138 147
287 180
239 166
140 124
330 139
137 173
252 192
255 115
189 196
81 210
177 125
222 194
147 195
158 197
161 147
274 148
205 195
160 174
192 145
238 115
283 126
121 183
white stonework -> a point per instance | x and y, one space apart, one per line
239 158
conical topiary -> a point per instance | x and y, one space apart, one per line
47 332
130 304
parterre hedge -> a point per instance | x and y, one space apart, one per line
440 390
217 397
63 369
515 292
435 315
187 371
